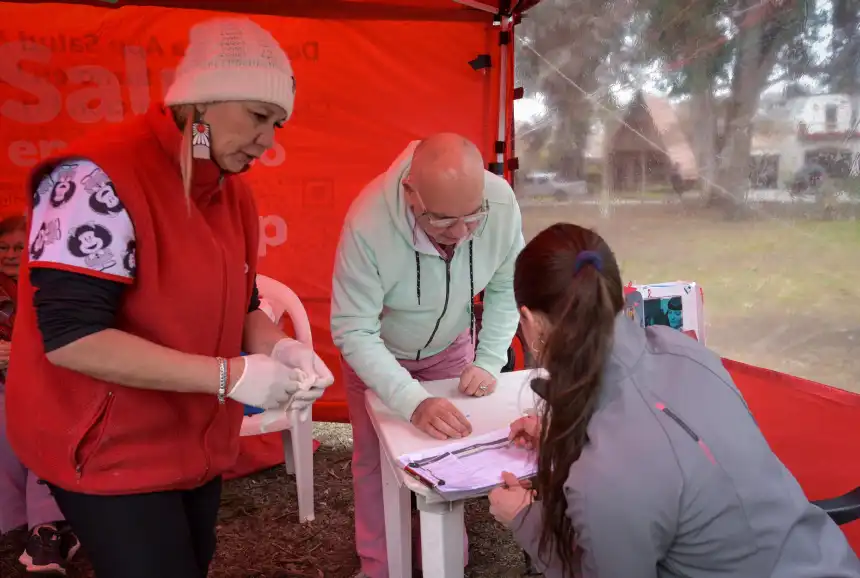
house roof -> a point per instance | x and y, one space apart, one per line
670 137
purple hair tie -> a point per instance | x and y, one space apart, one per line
584 258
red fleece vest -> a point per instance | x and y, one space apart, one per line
193 283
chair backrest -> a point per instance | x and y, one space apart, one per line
843 509
284 300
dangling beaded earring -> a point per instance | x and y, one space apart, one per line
201 137
537 350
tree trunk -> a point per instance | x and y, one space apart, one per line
574 132
570 132
732 182
703 111
754 63
845 46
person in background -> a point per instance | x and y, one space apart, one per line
419 243
649 461
13 239
126 390
24 500
676 181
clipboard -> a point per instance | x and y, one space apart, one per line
475 466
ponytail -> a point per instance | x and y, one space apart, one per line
575 354
568 274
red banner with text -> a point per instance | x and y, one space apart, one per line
365 89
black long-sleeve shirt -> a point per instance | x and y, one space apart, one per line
70 305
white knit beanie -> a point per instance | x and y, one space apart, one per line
233 59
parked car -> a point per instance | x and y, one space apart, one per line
544 184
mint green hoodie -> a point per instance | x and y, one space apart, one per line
394 297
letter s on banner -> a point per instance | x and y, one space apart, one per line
49 101
273 232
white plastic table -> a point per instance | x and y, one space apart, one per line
441 520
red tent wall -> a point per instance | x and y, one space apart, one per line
365 89
811 427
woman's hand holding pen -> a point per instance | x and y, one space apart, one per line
509 499
525 432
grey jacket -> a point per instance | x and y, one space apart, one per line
678 481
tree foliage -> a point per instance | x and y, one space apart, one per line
720 55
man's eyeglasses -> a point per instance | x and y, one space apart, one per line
472 220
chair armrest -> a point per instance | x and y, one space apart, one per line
843 509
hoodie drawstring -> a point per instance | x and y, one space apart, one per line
472 322
471 299
418 272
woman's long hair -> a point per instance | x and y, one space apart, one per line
568 274
183 115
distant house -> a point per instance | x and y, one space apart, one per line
804 130
653 136
648 146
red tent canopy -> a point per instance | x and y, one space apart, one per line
340 9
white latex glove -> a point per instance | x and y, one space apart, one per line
296 354
266 383
301 400
275 417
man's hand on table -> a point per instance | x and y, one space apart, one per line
438 418
477 382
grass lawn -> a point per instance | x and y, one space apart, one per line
779 294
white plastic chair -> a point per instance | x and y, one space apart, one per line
296 426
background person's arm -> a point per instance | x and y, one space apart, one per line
356 307
500 318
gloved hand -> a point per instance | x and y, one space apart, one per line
301 401
266 383
296 354
304 398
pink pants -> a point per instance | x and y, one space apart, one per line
23 500
366 473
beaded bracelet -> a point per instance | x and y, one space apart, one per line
223 378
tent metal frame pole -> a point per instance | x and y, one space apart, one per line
505 26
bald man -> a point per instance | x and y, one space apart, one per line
419 243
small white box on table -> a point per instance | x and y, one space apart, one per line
676 304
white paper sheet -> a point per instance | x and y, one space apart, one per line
471 466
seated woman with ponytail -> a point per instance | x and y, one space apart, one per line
649 461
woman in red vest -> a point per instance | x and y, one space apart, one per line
126 390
